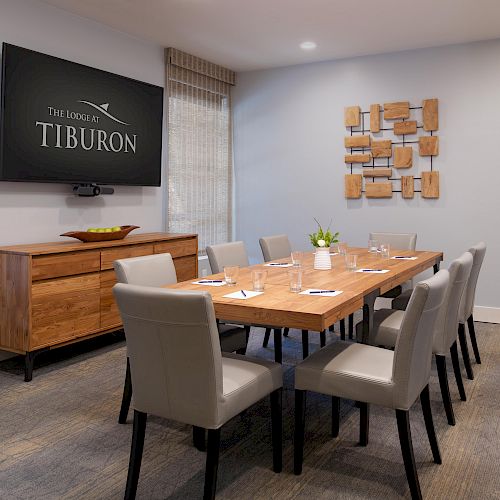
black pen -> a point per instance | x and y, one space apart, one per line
278 264
210 281
371 270
243 293
323 291
401 257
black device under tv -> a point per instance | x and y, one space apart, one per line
68 123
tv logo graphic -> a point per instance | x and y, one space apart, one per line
69 137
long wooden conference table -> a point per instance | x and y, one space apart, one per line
277 307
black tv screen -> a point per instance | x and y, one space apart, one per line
65 122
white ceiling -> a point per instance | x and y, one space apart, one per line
254 34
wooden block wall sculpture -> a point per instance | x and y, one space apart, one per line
395 110
430 184
382 149
430 116
375 118
377 172
352 116
360 158
353 185
405 128
428 145
403 157
357 141
378 189
407 186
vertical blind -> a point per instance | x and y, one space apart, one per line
199 148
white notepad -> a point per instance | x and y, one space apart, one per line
318 292
372 271
239 295
278 264
209 282
403 257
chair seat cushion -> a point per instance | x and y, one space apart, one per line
246 380
352 371
402 301
232 337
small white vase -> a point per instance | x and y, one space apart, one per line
322 259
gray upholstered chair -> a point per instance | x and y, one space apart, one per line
387 324
179 372
158 270
227 254
275 247
369 374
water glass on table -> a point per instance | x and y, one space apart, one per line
342 246
373 246
231 274
385 250
296 259
351 261
295 275
259 279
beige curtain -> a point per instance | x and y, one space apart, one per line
199 148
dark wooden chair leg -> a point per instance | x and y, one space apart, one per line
335 416
342 329
134 466
465 351
199 438
322 338
364 423
351 326
212 464
285 332
277 429
300 416
403 419
266 337
429 424
278 353
127 395
473 340
445 389
456 369
305 344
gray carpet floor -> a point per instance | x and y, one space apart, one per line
59 437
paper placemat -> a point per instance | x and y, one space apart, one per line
373 271
403 257
278 264
209 282
239 294
320 292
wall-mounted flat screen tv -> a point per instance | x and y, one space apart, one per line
64 122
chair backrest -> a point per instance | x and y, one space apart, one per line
445 330
149 270
227 254
174 351
413 351
401 241
466 307
275 247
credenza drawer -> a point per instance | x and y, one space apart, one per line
64 309
109 255
178 248
65 264
110 315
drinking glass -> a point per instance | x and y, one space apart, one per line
342 248
296 259
385 250
351 261
295 275
373 246
259 279
334 248
231 274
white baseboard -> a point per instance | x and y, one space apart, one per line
487 314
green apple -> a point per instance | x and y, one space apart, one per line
100 230
108 230
116 228
91 230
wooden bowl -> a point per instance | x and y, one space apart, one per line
87 237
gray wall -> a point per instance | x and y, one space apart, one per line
40 212
288 149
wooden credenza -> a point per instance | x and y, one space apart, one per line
53 294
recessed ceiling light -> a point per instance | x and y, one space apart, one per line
308 45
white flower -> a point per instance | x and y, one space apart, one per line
321 243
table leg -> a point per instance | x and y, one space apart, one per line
436 267
368 308
278 356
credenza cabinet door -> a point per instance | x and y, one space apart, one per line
64 309
110 315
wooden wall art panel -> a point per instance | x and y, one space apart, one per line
376 156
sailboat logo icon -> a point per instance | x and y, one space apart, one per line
103 108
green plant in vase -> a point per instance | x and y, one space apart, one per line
322 238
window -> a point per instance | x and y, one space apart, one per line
199 149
